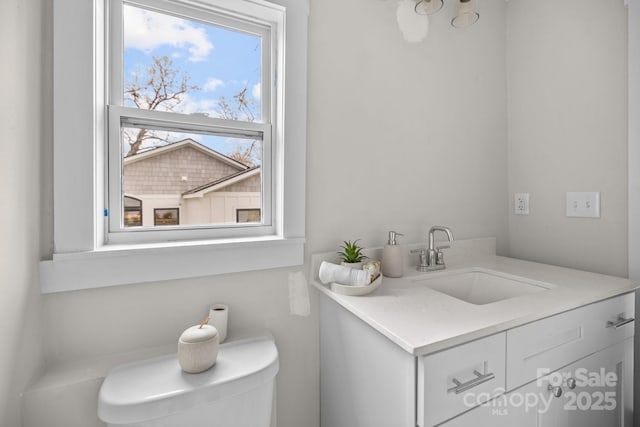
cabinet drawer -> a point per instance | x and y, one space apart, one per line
460 378
548 344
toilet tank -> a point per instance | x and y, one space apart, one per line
236 392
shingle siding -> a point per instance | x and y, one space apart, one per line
162 174
248 185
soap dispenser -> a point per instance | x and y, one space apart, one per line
392 262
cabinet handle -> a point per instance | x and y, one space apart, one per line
620 321
480 378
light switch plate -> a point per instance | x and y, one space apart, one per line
521 204
583 204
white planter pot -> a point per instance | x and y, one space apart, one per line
354 265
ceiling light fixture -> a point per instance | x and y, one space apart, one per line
428 7
466 11
466 15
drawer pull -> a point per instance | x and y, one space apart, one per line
480 378
621 321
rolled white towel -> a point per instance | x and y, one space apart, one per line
343 275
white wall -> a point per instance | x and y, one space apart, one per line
404 136
567 86
387 149
21 50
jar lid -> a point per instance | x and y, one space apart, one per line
198 334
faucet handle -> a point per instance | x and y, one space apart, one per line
440 254
423 263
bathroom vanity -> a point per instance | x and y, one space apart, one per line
490 341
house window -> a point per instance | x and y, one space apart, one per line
220 148
190 107
132 212
168 216
247 215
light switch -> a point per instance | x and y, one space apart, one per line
583 204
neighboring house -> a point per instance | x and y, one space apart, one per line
187 183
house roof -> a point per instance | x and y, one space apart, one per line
216 185
155 151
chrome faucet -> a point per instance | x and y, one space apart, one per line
432 258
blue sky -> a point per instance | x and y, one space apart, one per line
218 60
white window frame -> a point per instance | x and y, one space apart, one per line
262 21
82 256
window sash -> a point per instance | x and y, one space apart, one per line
119 115
251 21
169 121
117 233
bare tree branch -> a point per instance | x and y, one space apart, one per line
247 153
162 89
242 109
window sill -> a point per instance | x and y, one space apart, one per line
126 264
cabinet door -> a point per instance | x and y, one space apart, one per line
597 391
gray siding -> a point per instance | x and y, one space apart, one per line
163 173
248 185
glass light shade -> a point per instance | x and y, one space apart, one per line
466 15
428 7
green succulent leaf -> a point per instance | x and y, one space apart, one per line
351 252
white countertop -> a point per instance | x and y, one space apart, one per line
423 321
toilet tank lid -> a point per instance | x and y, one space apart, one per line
157 387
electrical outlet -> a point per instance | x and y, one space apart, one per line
521 204
583 204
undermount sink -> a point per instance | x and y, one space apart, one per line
480 286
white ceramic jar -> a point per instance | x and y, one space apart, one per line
198 348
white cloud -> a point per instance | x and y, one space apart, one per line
146 30
212 84
190 105
256 91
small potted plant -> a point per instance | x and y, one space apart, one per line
351 254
